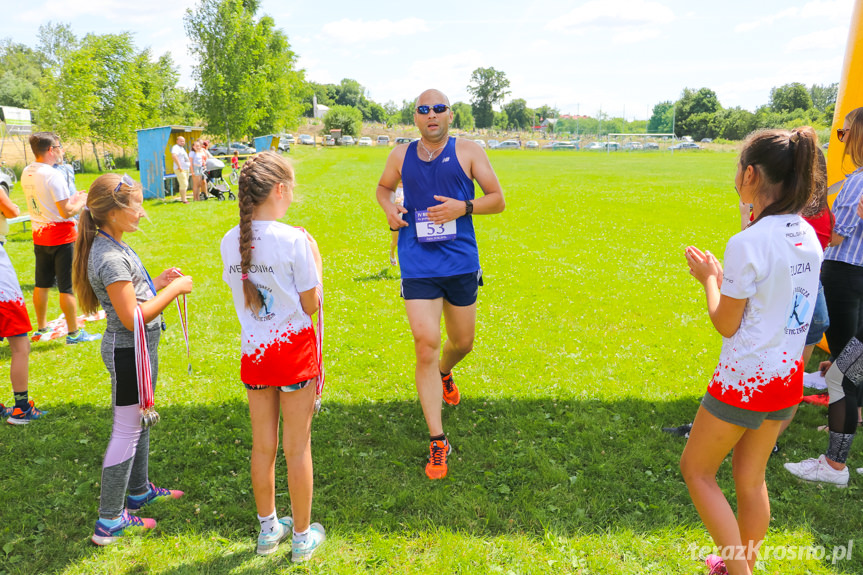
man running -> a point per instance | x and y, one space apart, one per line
438 253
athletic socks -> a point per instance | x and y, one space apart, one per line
840 446
21 400
442 374
302 536
269 523
441 437
141 497
109 523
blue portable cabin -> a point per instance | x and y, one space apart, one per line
154 156
270 142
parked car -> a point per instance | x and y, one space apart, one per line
348 141
492 144
6 182
562 145
329 140
509 145
289 138
481 143
403 140
706 140
632 146
307 139
531 144
612 146
595 146
383 141
365 141
651 146
284 145
685 146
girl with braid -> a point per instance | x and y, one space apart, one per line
274 271
107 272
761 303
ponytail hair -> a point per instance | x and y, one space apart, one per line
260 174
786 162
106 194
854 137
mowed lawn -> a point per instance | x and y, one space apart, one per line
591 336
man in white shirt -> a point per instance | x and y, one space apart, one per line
181 166
53 207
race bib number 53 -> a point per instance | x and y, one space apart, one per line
428 231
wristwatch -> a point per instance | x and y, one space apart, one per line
468 207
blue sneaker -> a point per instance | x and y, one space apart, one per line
83 337
105 534
269 542
5 411
134 503
18 417
302 551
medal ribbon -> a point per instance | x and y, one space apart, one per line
142 362
320 339
182 311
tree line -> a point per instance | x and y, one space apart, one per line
101 88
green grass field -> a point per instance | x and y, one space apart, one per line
591 336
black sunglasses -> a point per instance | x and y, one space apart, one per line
438 109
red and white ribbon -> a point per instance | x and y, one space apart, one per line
142 361
320 339
183 312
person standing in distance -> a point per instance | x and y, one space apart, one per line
53 207
181 166
438 253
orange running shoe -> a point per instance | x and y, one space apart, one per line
439 450
450 390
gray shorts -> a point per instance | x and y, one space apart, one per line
742 417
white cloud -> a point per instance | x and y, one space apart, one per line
613 14
152 12
831 38
836 10
360 31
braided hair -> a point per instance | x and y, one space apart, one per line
259 175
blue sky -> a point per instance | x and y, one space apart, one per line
622 56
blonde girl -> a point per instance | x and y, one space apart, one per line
108 272
274 272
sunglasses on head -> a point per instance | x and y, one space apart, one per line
438 109
125 181
841 134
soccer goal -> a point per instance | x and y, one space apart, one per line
645 141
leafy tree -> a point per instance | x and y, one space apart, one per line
501 120
824 96
350 93
735 123
20 72
345 118
488 87
519 115
546 111
463 116
377 113
245 71
661 120
704 101
790 97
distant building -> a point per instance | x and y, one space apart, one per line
318 110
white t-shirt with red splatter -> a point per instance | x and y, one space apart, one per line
14 319
43 188
278 341
774 265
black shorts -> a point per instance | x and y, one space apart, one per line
461 290
54 263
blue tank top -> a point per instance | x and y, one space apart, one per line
421 181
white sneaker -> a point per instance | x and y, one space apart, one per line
818 470
860 470
302 551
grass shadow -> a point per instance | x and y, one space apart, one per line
520 467
384 274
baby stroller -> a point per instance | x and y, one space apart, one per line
216 186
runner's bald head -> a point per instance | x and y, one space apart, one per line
440 97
